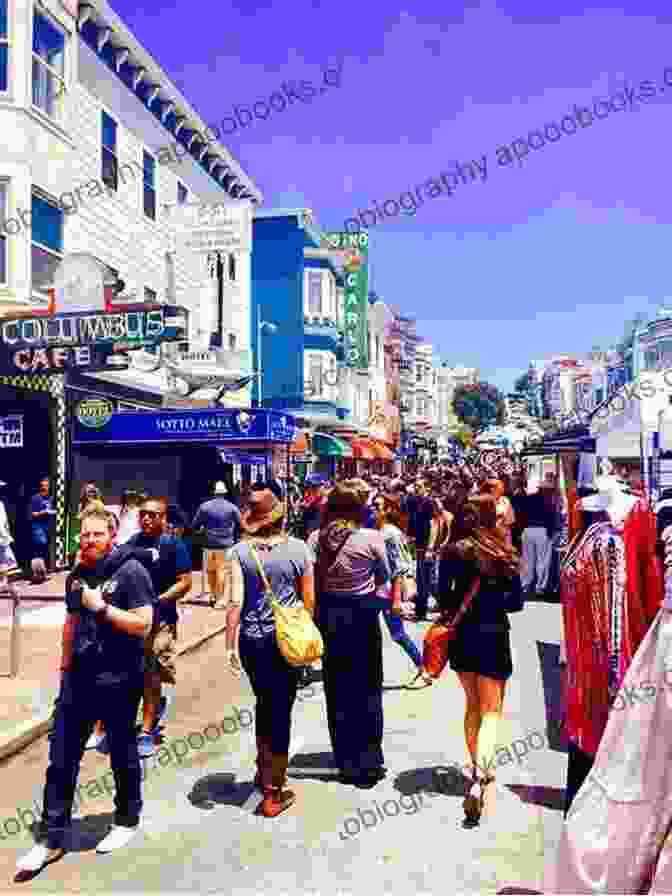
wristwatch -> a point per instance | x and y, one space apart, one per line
101 614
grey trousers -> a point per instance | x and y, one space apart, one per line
536 559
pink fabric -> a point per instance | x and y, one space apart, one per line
612 840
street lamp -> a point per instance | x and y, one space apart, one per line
261 326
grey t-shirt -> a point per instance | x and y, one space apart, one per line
283 563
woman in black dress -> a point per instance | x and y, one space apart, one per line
480 561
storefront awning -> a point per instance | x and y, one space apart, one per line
325 445
382 450
300 444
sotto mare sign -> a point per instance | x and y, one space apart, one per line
85 341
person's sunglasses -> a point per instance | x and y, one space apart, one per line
152 514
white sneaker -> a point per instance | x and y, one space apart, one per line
118 837
39 856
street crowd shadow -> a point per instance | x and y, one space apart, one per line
540 795
446 780
549 655
219 789
313 766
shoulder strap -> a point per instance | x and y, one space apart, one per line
323 569
260 569
466 603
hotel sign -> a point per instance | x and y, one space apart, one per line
354 247
85 341
11 431
217 227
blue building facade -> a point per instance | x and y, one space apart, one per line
295 286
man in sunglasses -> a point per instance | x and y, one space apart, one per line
171 577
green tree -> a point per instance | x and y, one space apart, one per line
479 405
464 436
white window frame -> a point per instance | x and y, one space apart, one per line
328 366
104 148
52 201
4 237
311 275
63 78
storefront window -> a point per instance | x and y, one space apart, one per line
48 66
4 47
182 193
47 241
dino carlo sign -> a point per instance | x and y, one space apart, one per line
85 341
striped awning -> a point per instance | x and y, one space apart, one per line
326 445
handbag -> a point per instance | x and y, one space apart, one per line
440 634
298 637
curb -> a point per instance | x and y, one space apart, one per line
28 732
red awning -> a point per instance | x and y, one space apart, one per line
363 449
382 451
300 444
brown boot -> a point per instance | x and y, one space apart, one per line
276 799
263 764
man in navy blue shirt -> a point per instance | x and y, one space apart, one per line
171 577
420 510
109 600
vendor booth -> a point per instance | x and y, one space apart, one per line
178 454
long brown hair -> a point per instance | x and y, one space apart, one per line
481 542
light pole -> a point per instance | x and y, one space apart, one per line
261 326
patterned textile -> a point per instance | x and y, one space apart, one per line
592 588
611 590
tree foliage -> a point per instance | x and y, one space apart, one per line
464 436
479 405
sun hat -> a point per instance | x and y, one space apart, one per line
220 488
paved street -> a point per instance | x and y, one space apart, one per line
199 833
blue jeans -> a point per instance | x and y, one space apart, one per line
400 636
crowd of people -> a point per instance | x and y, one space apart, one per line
414 548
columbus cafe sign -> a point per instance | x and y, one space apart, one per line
83 328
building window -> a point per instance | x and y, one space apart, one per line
232 267
48 66
314 292
182 193
109 152
47 241
232 342
150 295
3 233
149 185
4 48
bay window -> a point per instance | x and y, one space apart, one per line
149 185
48 66
109 152
315 292
46 241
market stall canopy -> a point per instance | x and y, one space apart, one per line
326 445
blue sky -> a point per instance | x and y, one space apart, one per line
545 256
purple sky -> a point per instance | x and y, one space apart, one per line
544 257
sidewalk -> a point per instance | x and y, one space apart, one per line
198 824
26 701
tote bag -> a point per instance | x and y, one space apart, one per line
298 637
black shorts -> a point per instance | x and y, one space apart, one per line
483 652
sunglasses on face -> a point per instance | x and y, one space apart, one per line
152 514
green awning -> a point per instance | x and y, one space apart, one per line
325 445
